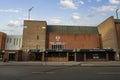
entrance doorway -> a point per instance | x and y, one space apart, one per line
71 56
38 56
12 57
1 57
80 57
111 56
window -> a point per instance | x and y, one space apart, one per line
7 40
95 56
19 42
0 56
56 55
10 40
14 40
57 46
37 37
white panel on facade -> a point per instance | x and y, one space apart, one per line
13 42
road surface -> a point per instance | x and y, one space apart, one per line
59 73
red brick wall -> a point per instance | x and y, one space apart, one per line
74 41
57 59
2 40
18 54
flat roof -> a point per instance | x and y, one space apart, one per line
72 29
116 20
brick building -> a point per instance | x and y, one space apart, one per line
110 34
2 40
34 37
2 44
42 42
13 48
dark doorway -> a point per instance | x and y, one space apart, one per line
80 57
38 56
12 57
1 56
71 56
111 56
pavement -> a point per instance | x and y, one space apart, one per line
81 64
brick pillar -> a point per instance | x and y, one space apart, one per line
75 56
85 57
117 55
107 56
43 56
67 56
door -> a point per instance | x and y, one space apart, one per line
38 56
11 57
80 57
111 56
71 56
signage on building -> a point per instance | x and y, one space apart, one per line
100 50
57 38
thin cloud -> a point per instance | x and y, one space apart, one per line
71 4
76 16
94 11
103 8
98 0
10 10
81 2
13 23
55 20
114 1
68 4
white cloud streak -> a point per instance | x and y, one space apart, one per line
76 16
104 8
81 2
55 20
100 11
71 4
13 23
98 0
68 4
114 1
10 10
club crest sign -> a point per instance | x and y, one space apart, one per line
57 38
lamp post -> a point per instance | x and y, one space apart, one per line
29 10
117 13
46 57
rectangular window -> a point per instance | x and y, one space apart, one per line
0 56
10 40
7 40
37 37
14 40
19 42
58 46
95 56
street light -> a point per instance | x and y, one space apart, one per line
29 10
117 13
46 52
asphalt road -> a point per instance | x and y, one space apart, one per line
59 73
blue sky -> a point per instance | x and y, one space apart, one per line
55 12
